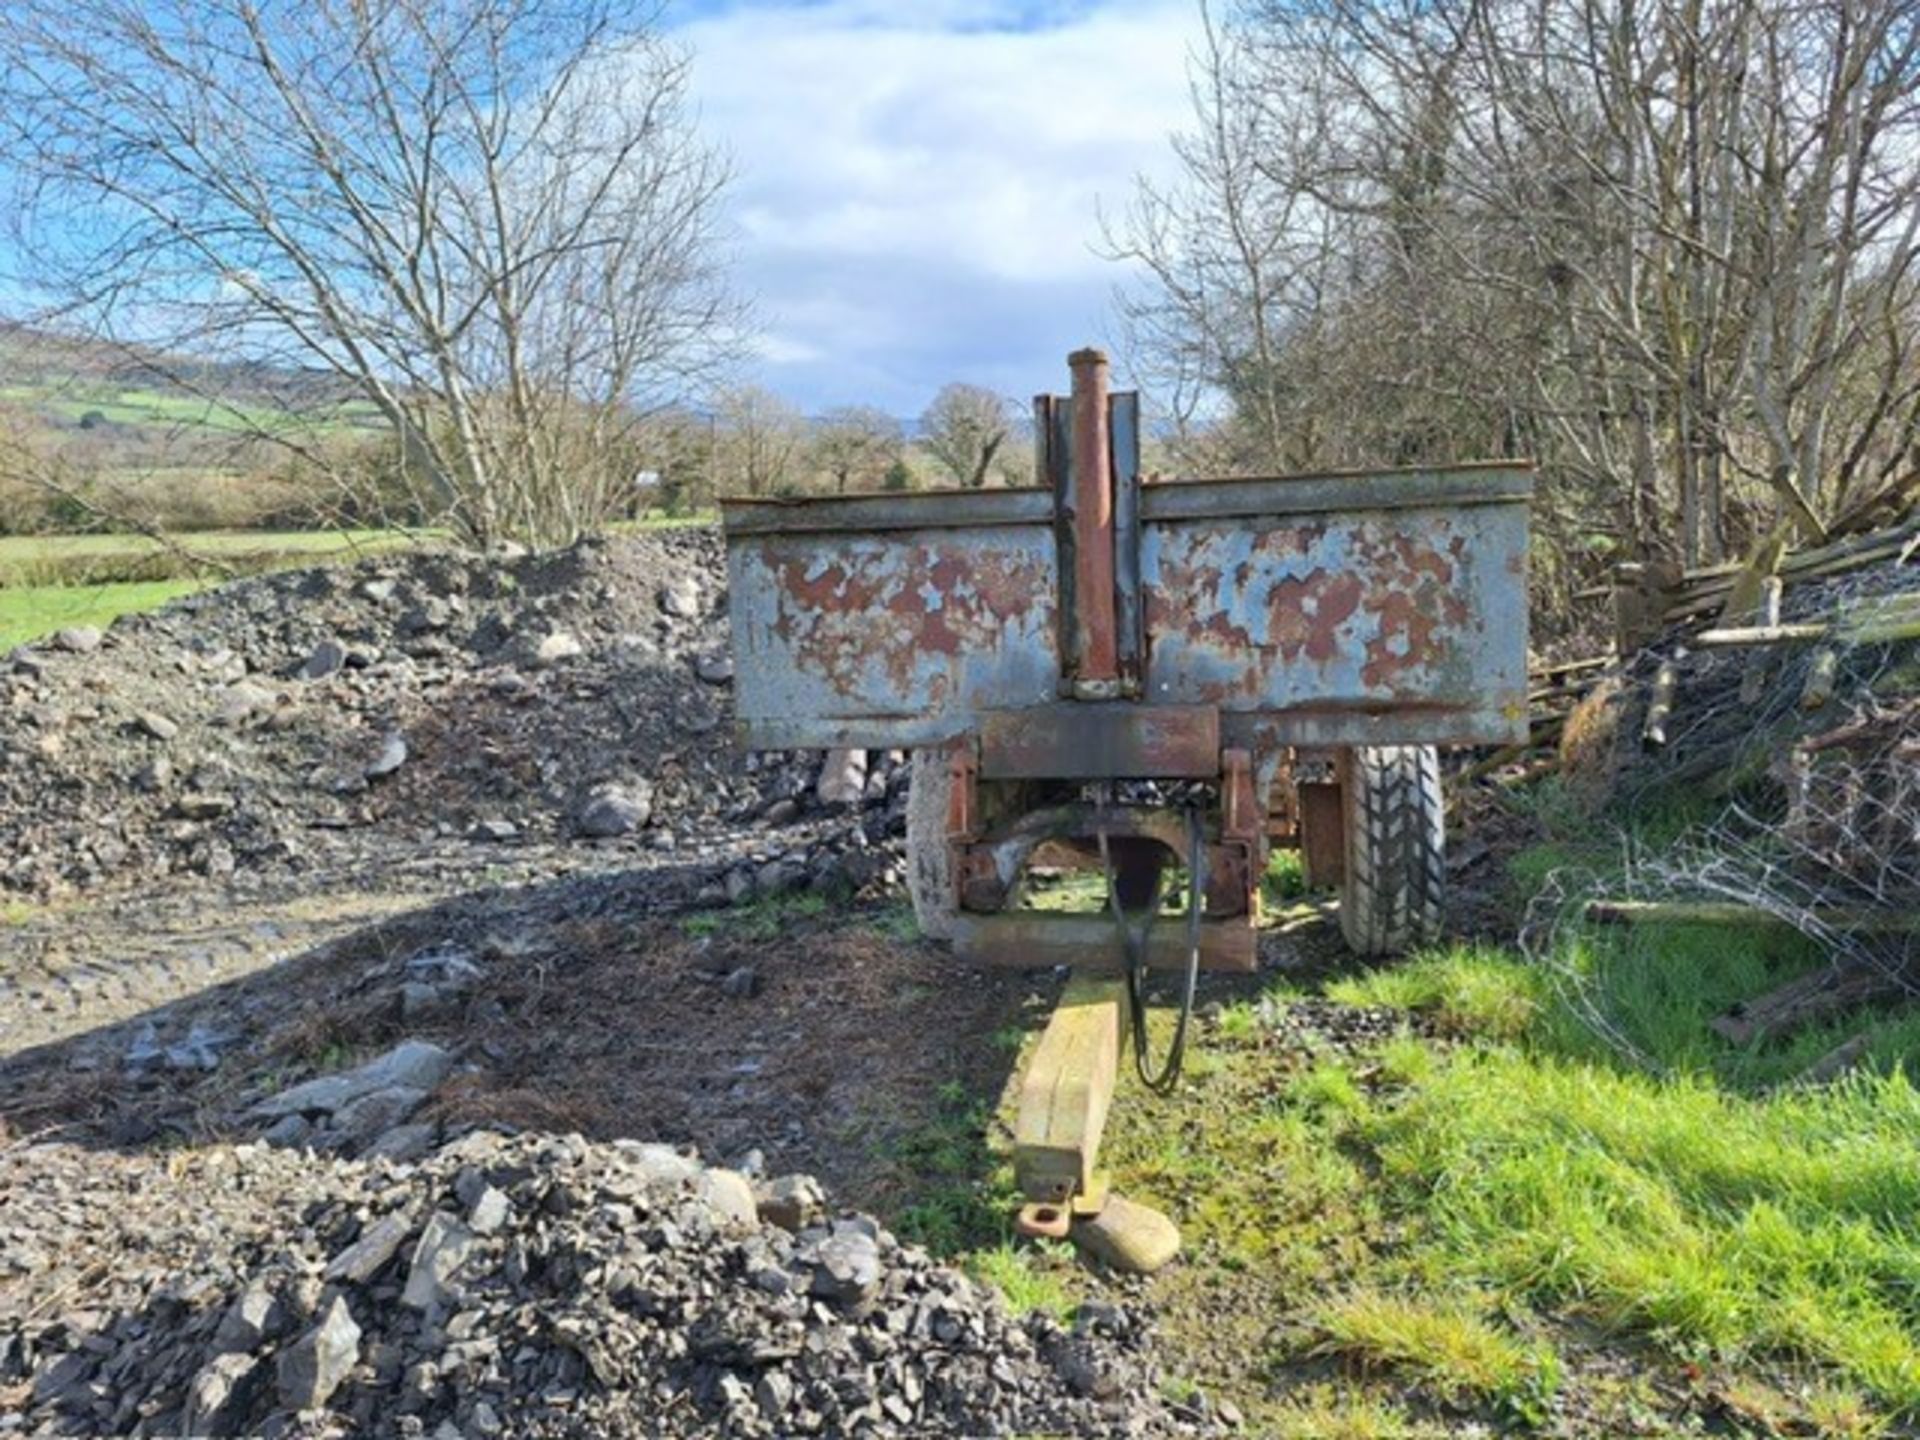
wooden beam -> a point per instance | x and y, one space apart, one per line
1760 635
1653 732
1066 1091
1037 939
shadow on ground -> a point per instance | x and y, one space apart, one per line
602 1004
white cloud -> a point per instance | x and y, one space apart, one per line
919 183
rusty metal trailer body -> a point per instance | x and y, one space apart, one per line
1099 627
1288 649
1378 608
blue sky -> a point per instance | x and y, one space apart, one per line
918 184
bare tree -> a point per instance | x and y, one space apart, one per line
758 442
1668 247
964 429
489 219
855 444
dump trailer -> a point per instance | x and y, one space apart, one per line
1158 679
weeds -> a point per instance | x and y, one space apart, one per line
756 920
1326 1412
1286 878
1029 1277
960 1195
895 922
1446 1344
1466 990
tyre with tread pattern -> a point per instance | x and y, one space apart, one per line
1392 897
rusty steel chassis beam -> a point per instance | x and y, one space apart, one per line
988 863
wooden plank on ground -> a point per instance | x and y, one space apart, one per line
1067 1089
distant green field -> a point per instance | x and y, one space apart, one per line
48 582
662 520
15 549
49 560
140 407
30 611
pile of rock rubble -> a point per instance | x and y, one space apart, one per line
311 719
511 1286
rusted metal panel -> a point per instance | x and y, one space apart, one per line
907 510
1385 608
894 638
1323 835
1365 609
1085 741
1030 939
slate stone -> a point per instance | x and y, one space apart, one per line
315 1365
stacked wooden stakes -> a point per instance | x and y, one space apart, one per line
1746 608
1552 692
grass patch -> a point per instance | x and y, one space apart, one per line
1472 1198
48 560
895 922
30 612
959 1195
758 920
167 410
1030 1277
1467 990
1657 987
1326 1412
1715 1223
666 520
1447 1345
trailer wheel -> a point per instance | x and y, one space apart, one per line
929 867
1391 896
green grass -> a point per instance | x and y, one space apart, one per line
17 549
1028 1276
757 920
34 560
30 612
1328 1412
1695 1205
1714 1223
1643 995
1445 1344
50 582
46 560
666 520
146 408
1443 1209
1286 878
1467 991
958 1192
